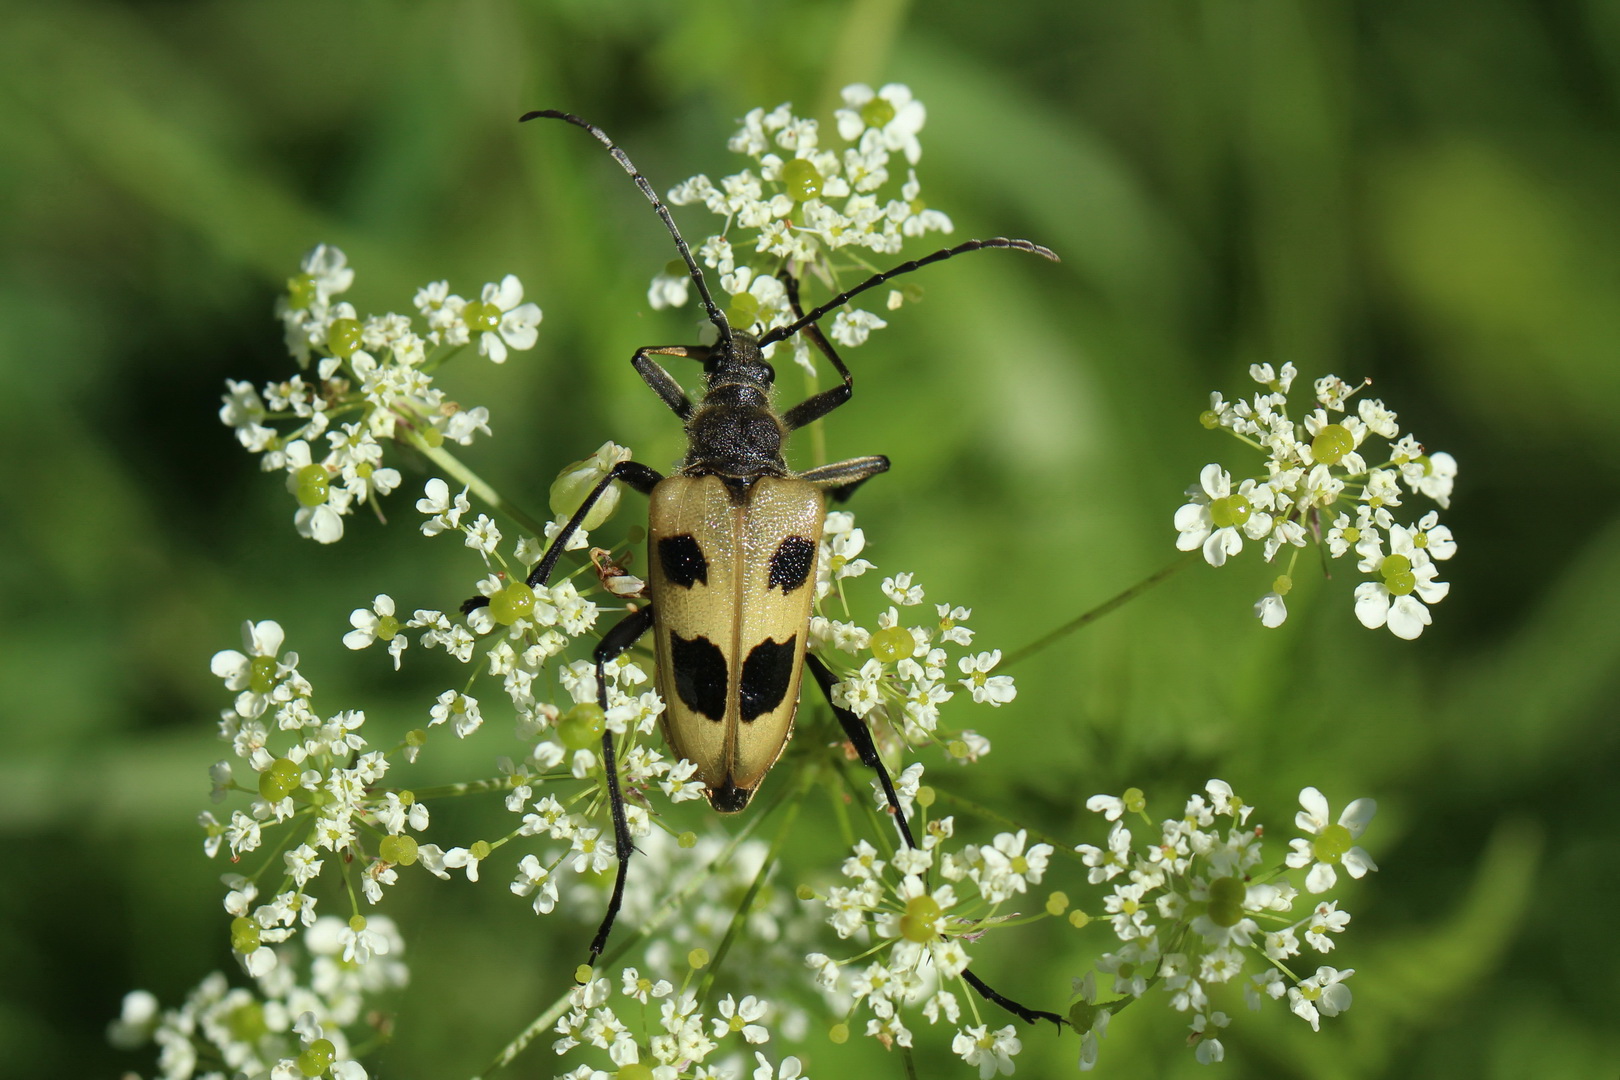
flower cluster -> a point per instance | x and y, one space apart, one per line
316 780
1193 905
300 1020
1320 486
898 673
372 381
679 1044
804 200
921 908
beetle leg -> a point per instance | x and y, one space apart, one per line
654 375
861 736
818 405
623 635
633 473
1023 1012
841 478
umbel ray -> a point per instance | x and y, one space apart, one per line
732 541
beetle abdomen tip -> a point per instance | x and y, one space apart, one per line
728 798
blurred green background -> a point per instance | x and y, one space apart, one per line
1421 192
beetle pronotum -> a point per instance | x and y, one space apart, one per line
732 541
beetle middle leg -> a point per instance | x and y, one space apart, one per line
858 733
620 637
841 478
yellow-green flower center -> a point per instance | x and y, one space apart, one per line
512 603
261 674
244 934
1226 896
300 291
1332 443
279 780
877 112
481 318
919 922
1232 510
1398 576
343 337
581 727
892 643
802 180
312 485
397 849
1331 844
246 1022
317 1059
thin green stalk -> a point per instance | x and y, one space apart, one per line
447 461
862 796
988 814
738 917
470 787
1099 611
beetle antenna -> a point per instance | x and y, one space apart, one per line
781 333
716 316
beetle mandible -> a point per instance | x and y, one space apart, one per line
732 541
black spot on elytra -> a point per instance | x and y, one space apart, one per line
700 675
765 677
683 560
791 564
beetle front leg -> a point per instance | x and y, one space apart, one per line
663 384
633 473
624 634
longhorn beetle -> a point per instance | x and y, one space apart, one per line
732 541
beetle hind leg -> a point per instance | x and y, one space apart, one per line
861 736
623 635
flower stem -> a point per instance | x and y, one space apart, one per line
447 461
741 914
1060 846
1100 610
467 787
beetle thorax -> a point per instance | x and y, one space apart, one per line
734 431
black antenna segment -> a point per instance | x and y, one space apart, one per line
716 316
781 333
